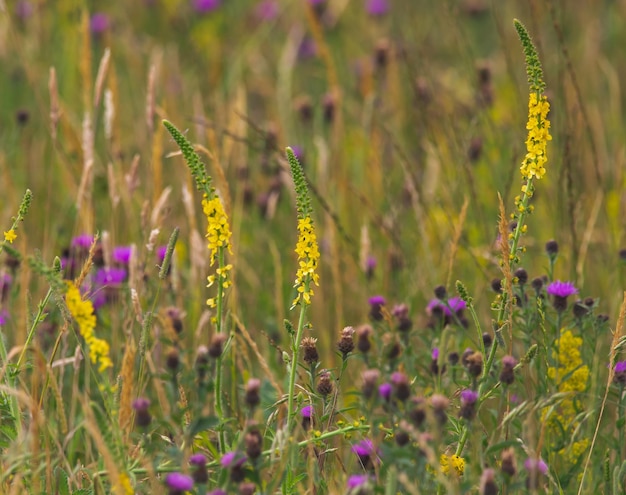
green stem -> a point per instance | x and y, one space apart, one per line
295 349
219 399
36 321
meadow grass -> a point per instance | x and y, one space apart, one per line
312 247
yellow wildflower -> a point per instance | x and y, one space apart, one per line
10 236
454 461
308 257
82 311
218 231
538 127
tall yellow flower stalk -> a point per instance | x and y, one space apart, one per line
82 311
308 257
218 237
532 167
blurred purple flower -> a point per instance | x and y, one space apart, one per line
384 390
307 49
24 9
160 252
620 367
121 254
469 396
456 304
4 317
106 276
204 6
536 465
232 459
179 482
356 480
377 7
364 447
267 10
99 23
435 354
561 289
307 411
197 460
82 241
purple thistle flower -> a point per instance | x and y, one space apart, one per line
99 23
267 10
307 411
377 301
620 367
469 397
356 480
307 49
160 252
561 289
110 276
141 404
24 9
82 241
179 482
536 465
121 254
364 448
197 460
232 459
377 7
384 390
456 304
435 354
204 6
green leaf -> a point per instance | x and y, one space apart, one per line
63 482
202 424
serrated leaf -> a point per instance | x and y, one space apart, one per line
63 482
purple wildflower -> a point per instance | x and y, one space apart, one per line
82 241
620 367
204 6
456 304
24 9
377 7
232 459
536 465
307 411
178 482
384 390
561 289
197 460
107 276
435 354
469 396
121 254
307 49
160 252
267 10
376 303
357 480
363 448
99 23
4 317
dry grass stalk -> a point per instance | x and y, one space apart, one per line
84 271
55 112
126 395
156 217
58 397
456 237
132 177
113 190
101 76
85 59
83 196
